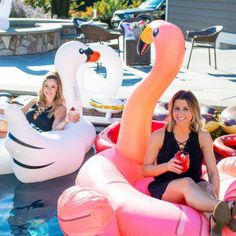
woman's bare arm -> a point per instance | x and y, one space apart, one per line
60 118
26 107
210 161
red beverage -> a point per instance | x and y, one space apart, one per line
183 157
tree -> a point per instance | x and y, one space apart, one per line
60 8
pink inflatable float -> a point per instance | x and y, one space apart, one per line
110 178
107 138
226 145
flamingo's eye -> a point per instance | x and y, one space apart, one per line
155 32
81 51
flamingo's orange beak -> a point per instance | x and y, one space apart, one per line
144 41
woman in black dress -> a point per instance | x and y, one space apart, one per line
48 112
184 133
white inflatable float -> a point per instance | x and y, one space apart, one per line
5 99
107 104
42 156
106 87
5 9
5 159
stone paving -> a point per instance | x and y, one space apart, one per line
212 87
23 74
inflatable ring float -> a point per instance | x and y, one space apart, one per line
210 120
115 172
161 112
107 138
206 109
107 104
228 120
225 145
46 155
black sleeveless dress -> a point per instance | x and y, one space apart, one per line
43 122
167 152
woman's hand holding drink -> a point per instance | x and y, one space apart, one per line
183 159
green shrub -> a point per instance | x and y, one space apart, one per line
104 9
45 4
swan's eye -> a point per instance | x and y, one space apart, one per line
89 50
81 51
155 32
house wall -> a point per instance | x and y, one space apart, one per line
199 14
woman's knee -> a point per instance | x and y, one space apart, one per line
188 183
177 189
207 188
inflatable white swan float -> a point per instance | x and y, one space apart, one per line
5 159
42 156
5 9
91 83
100 91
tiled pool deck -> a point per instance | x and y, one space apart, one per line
23 74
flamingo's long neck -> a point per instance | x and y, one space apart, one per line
135 127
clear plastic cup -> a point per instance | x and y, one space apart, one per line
184 159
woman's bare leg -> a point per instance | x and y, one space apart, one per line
207 188
186 189
202 198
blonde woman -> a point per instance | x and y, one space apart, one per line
47 112
184 134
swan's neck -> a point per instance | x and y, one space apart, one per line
71 91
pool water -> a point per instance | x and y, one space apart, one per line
31 209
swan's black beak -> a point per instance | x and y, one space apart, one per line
145 41
92 56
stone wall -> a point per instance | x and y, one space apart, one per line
29 43
29 36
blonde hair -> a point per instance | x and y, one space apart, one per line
59 98
189 97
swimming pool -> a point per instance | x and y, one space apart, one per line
31 209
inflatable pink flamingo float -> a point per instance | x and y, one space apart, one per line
105 200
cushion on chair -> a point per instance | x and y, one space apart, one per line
126 28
